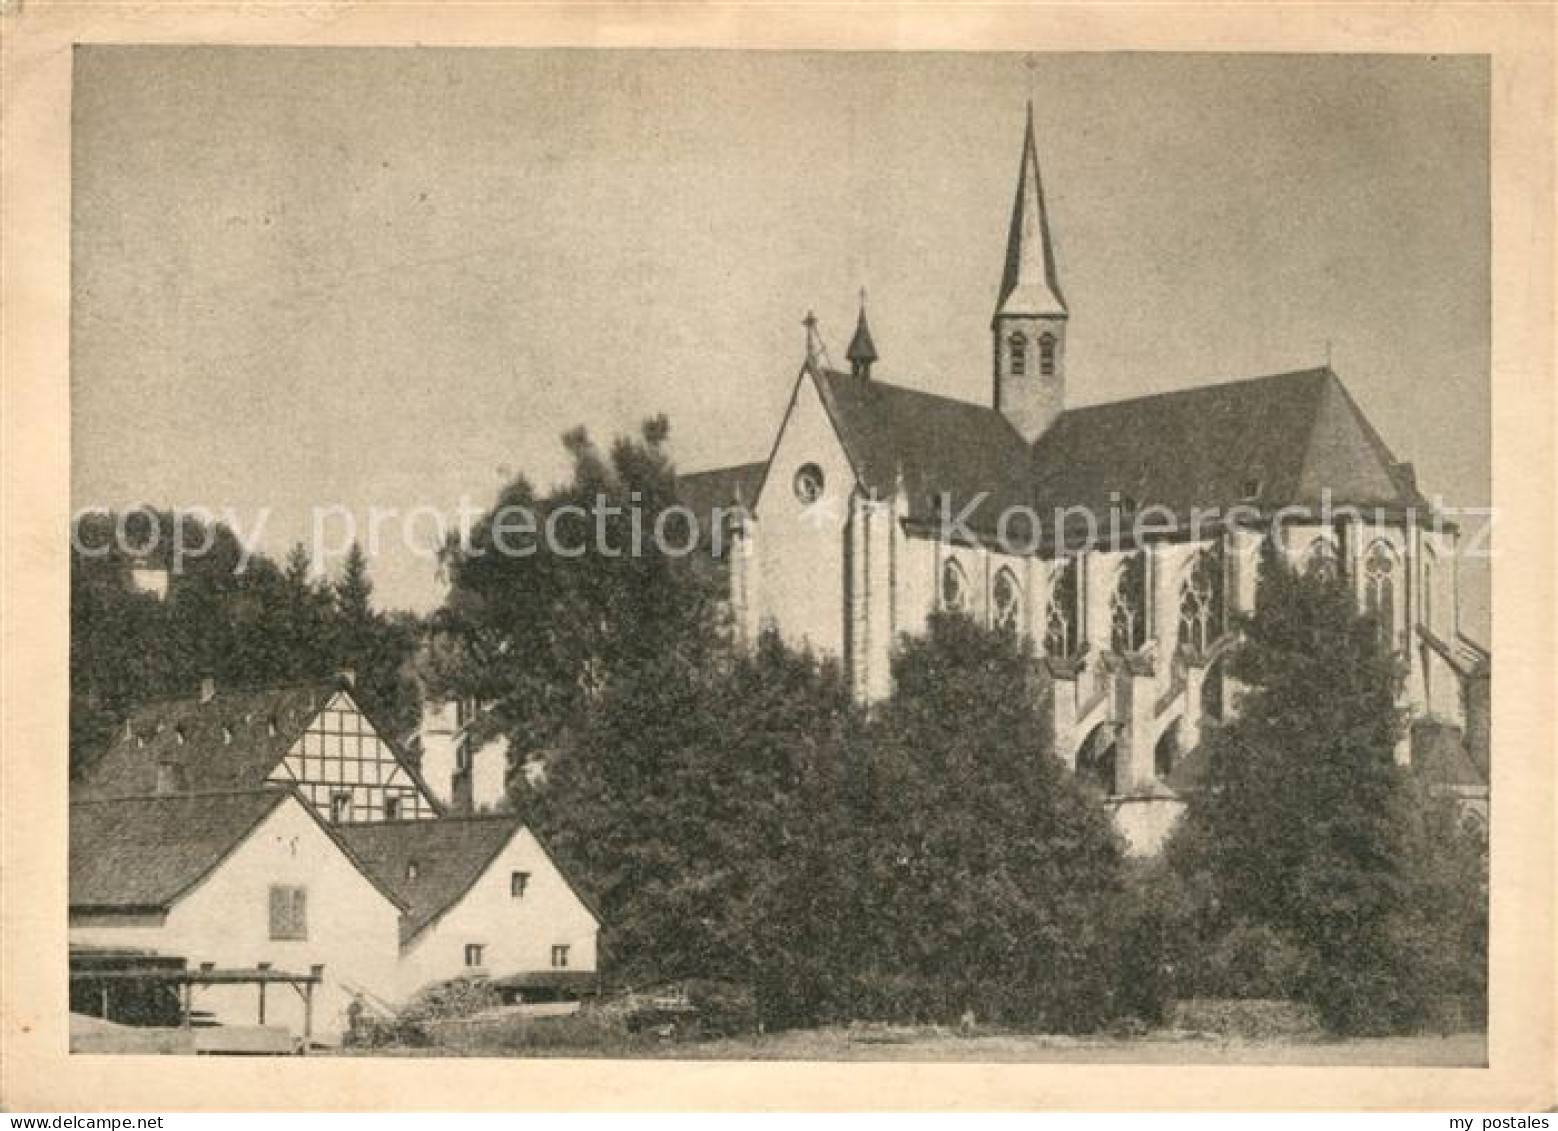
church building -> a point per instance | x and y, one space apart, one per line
1121 537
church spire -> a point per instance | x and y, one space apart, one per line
862 350
1030 285
1029 327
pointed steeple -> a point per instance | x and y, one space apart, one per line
1030 286
862 350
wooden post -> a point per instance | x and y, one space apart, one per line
189 1003
263 966
308 1015
105 1001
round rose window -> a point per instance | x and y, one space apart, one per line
808 484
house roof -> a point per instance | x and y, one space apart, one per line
450 854
190 732
231 741
144 853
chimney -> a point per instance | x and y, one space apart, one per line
207 689
348 677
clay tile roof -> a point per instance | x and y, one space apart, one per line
143 853
450 856
191 733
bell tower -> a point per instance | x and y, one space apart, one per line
1029 327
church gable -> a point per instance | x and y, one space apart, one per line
1346 457
348 773
808 439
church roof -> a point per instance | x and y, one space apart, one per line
937 445
861 347
1030 284
1270 441
1275 441
702 491
729 487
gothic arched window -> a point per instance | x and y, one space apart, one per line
1128 605
1047 355
954 587
1006 601
1201 603
1379 587
1321 560
1018 345
1061 639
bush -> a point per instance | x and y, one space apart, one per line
1251 961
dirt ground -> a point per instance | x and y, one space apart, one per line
924 1044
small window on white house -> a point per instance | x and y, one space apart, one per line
518 882
473 954
288 912
340 807
560 955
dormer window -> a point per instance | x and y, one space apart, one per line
1047 355
411 869
179 736
1018 347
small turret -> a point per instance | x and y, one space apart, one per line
862 350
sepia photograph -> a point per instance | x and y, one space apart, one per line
735 555
773 568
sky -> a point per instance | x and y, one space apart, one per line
323 280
